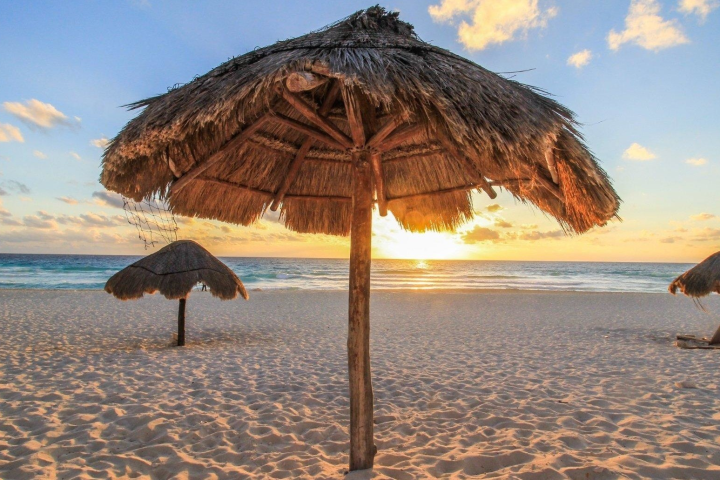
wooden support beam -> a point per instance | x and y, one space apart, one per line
234 143
387 128
362 447
537 176
301 154
550 159
400 136
468 165
354 115
319 120
509 181
239 186
415 156
307 130
377 169
436 192
303 81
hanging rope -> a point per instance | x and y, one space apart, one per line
153 219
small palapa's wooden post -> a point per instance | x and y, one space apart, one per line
181 323
362 447
715 340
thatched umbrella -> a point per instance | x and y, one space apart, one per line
362 112
700 281
173 271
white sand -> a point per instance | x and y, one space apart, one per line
493 384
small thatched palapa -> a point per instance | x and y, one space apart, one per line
700 281
174 271
360 113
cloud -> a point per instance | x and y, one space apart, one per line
696 162
580 59
110 199
39 154
494 208
40 221
3 211
101 142
536 235
75 156
499 222
638 153
10 133
14 187
480 234
68 200
492 21
702 217
645 27
707 234
701 8
37 114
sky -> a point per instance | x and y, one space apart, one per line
641 76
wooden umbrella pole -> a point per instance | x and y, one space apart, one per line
362 447
181 323
715 340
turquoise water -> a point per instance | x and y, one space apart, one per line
92 271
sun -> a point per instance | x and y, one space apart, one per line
391 241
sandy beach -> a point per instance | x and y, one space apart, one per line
525 385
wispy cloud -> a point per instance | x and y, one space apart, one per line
101 142
480 234
10 133
110 199
492 22
580 59
696 162
14 187
37 114
701 8
75 156
39 154
3 211
68 200
702 217
493 208
644 26
638 153
536 235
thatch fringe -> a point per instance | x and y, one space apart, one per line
500 125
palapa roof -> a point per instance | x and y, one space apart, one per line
173 271
701 280
271 128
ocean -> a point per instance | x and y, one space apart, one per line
90 272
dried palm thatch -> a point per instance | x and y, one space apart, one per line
362 112
235 141
700 281
173 271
